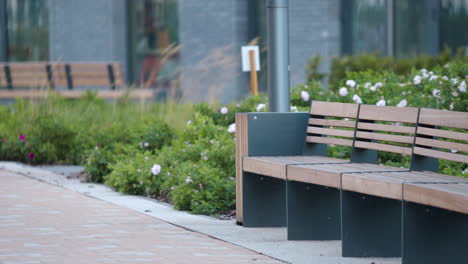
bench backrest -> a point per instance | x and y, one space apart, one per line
44 74
432 135
24 74
332 123
388 128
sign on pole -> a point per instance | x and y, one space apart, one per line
251 63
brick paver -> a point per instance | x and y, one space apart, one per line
42 223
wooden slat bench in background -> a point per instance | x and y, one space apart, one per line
384 210
20 77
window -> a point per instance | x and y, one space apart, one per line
154 43
27 30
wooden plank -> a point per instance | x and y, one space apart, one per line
442 133
390 184
313 174
452 197
381 185
108 94
329 140
333 109
441 154
383 147
444 118
91 82
264 167
389 113
385 137
442 144
332 122
386 128
330 132
242 150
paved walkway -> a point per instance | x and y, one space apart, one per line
43 223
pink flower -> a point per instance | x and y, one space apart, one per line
4 140
31 155
22 137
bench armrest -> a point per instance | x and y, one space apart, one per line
271 134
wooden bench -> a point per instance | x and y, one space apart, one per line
365 200
20 75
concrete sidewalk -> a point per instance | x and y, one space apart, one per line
268 241
41 223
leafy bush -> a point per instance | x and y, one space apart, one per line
374 61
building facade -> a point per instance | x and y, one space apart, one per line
195 44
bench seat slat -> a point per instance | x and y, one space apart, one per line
330 140
330 132
330 174
452 197
441 154
443 133
441 144
385 137
275 166
383 147
386 128
390 184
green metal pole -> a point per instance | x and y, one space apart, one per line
278 55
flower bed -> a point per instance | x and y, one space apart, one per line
184 154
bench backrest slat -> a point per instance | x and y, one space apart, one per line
432 135
29 74
394 133
329 123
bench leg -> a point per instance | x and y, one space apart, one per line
432 235
313 212
264 201
371 226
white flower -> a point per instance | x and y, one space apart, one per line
172 188
417 80
423 70
294 108
224 110
188 180
189 122
445 78
402 103
232 128
140 144
260 107
357 99
96 148
367 85
462 87
454 94
425 75
156 169
343 91
146 144
436 93
451 106
379 84
139 170
454 151
146 158
433 77
373 88
402 84
381 103
351 83
305 96
454 80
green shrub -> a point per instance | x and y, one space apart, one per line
340 66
